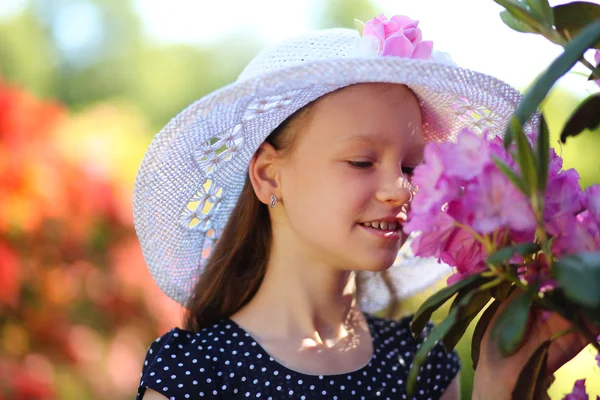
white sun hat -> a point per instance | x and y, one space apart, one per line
194 170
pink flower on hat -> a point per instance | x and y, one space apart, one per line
399 36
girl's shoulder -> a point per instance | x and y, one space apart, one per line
178 359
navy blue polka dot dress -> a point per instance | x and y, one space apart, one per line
224 362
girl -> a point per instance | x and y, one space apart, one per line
301 169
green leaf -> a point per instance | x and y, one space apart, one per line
506 253
360 26
543 154
521 12
509 330
423 314
511 175
587 116
436 334
533 378
466 314
502 291
525 157
571 18
542 10
536 94
480 328
578 275
515 23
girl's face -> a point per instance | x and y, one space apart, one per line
351 167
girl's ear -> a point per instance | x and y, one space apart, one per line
264 172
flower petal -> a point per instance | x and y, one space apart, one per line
366 46
578 392
391 27
405 22
397 45
423 50
592 201
374 27
414 35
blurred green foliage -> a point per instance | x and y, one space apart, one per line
118 61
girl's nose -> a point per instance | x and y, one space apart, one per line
398 192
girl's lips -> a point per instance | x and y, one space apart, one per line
389 235
400 218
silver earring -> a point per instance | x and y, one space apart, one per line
273 201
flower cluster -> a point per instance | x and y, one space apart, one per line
466 208
398 36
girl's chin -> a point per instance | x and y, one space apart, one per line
377 265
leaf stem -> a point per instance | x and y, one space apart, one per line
537 203
476 235
590 67
582 60
562 333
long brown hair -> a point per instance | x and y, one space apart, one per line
237 265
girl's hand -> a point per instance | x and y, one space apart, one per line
496 375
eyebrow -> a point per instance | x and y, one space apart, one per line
361 137
375 140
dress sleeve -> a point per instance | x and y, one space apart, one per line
173 369
439 369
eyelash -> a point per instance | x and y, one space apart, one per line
360 164
367 164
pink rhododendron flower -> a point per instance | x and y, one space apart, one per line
435 188
497 150
398 36
435 231
465 253
555 164
578 392
459 185
466 207
497 203
467 158
563 195
591 201
574 234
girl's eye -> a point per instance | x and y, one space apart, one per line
360 164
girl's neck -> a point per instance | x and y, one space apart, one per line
304 315
301 299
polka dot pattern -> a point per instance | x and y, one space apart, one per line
223 361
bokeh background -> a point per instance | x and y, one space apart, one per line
84 86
